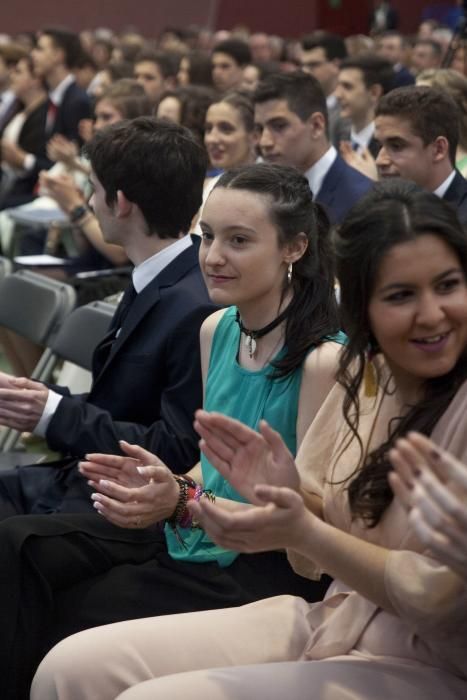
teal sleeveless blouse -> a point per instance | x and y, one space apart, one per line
248 396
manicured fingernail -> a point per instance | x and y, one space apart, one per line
103 482
97 506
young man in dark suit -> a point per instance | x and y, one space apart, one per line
417 128
292 122
361 83
148 178
56 54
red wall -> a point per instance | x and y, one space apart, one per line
283 17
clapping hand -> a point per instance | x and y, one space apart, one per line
245 457
277 522
133 491
432 486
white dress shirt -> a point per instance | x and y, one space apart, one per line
316 174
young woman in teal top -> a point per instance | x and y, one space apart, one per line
266 256
265 249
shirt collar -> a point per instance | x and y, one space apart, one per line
56 95
146 271
331 101
316 174
362 138
444 186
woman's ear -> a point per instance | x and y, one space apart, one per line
296 248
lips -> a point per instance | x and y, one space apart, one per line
216 154
219 279
433 343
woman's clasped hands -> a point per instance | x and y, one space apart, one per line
132 491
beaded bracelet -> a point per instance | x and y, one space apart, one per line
181 517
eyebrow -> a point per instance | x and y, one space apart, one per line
233 227
404 285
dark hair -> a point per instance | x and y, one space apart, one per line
195 101
375 70
68 42
242 102
313 310
333 45
435 46
392 34
455 85
129 97
12 53
166 62
119 69
303 93
430 111
158 165
200 68
236 49
393 212
85 60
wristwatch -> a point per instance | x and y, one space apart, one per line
78 212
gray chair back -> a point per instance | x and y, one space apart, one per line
81 331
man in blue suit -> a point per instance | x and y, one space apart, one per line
292 123
148 178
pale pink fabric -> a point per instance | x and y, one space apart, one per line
344 648
431 601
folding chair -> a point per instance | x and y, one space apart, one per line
6 267
34 306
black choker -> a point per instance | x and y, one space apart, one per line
252 336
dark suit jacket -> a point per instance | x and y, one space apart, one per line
147 383
402 78
456 194
75 106
146 386
342 187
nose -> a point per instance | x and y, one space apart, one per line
211 136
430 310
382 158
214 256
265 140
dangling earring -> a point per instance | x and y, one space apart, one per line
370 373
289 273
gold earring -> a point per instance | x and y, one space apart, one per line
289 273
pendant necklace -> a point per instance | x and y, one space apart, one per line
251 336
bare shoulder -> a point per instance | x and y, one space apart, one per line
207 331
318 378
209 325
323 360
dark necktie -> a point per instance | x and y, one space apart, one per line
124 307
104 348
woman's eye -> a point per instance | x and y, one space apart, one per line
448 285
403 295
239 240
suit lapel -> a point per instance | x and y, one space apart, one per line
329 184
146 301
